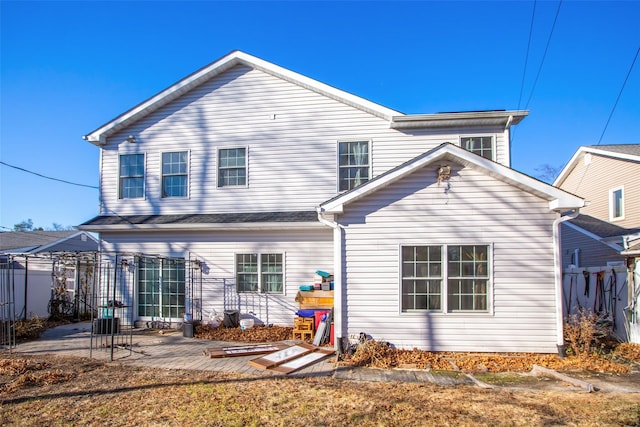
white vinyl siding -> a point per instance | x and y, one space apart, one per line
476 209
292 133
304 251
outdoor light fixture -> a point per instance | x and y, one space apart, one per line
131 139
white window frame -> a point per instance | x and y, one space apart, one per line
260 272
339 167
160 287
480 135
144 176
186 174
612 204
444 280
246 167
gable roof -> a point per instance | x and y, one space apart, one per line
600 228
624 152
397 120
559 200
46 241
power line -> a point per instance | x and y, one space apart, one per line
618 98
526 59
535 82
48 177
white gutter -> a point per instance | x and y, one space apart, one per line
557 264
337 279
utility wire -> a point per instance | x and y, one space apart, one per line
526 59
615 104
48 177
618 98
535 82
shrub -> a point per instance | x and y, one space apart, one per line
583 331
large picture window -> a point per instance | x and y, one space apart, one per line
161 287
353 164
480 145
260 273
232 167
461 272
174 174
131 176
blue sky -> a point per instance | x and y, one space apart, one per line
69 67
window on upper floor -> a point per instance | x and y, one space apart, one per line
174 174
131 176
480 145
260 273
232 167
353 164
616 204
461 272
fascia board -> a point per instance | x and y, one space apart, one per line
99 135
477 118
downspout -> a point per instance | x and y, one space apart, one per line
337 279
557 264
508 131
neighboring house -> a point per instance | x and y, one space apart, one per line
596 246
260 176
29 261
606 176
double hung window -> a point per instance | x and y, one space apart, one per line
131 176
461 272
260 273
174 174
353 164
232 167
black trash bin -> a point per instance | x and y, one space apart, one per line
187 329
231 318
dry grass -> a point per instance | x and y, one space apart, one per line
378 354
91 393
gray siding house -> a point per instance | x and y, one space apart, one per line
263 176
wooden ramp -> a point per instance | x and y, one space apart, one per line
243 350
292 358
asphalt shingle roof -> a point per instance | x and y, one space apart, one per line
633 149
231 218
599 227
31 239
